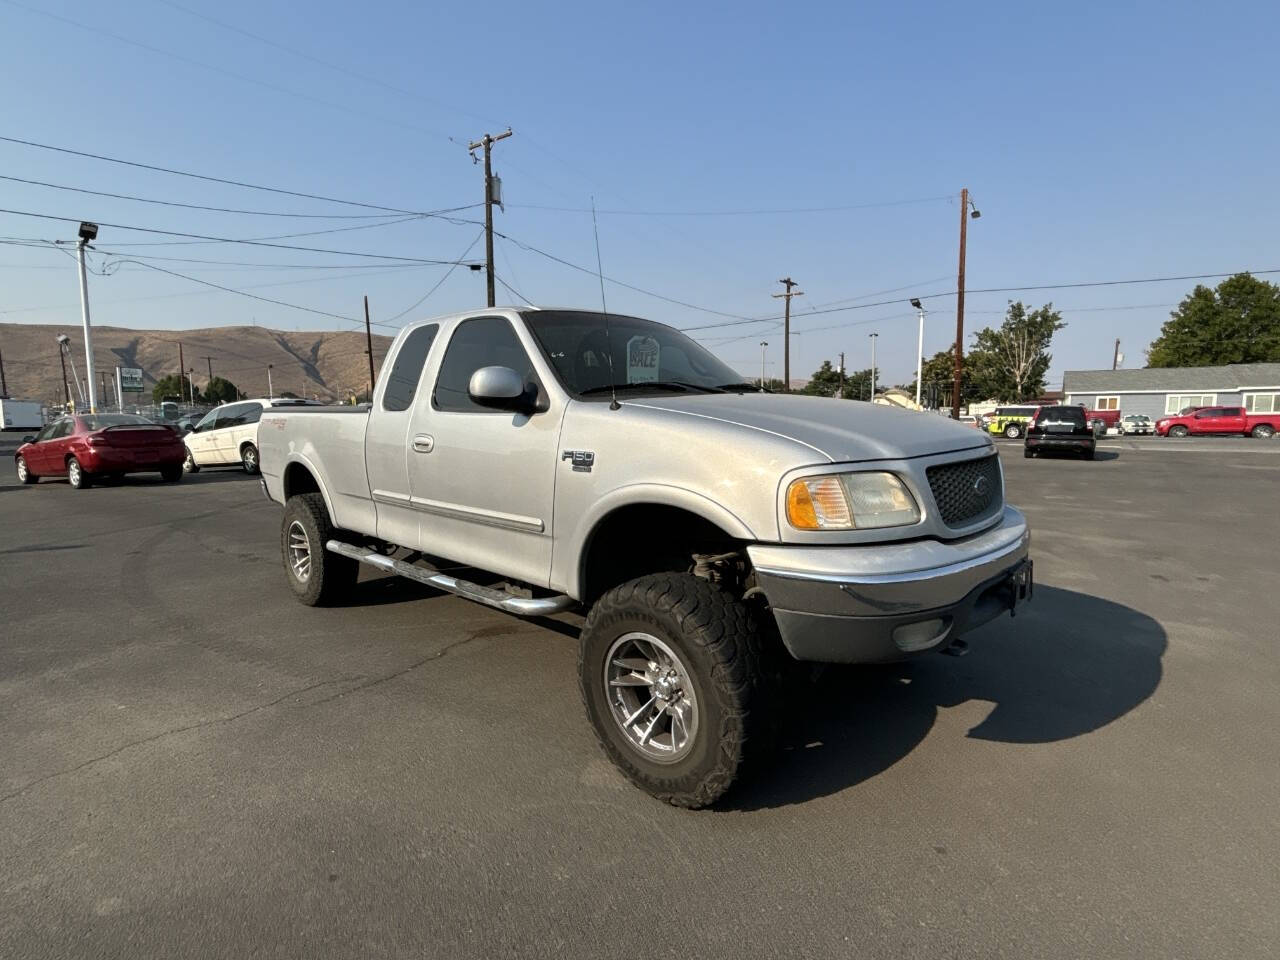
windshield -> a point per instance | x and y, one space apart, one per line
101 421
646 355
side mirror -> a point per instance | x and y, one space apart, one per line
500 388
28 439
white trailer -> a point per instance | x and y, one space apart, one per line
21 415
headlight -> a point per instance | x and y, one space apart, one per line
849 501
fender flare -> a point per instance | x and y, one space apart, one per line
316 475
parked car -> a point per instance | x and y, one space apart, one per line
89 447
1060 429
1222 421
1110 419
708 528
228 435
1010 421
970 421
1137 425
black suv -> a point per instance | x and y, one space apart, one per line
1059 429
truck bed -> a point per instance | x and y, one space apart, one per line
329 442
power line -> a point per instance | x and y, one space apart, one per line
439 283
735 213
193 206
257 243
230 183
280 236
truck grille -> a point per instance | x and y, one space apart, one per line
968 490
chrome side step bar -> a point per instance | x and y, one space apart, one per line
499 599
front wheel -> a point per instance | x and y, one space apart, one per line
1263 431
249 459
1013 431
24 472
316 576
668 668
1178 431
189 463
76 476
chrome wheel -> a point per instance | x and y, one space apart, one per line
74 474
249 458
651 697
299 552
22 469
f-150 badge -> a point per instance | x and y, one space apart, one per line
583 460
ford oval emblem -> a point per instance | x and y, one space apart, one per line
980 486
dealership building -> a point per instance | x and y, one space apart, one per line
1158 391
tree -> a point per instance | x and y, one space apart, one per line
174 387
1010 363
825 382
219 390
1239 322
938 376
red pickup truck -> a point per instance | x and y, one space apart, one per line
1228 421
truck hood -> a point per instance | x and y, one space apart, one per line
841 431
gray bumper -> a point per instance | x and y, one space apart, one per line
882 602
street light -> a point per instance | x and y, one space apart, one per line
763 345
270 392
915 302
88 233
873 364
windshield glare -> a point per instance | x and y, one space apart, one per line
643 352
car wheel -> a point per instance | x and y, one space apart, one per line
1177 430
189 464
249 459
1026 452
1013 431
1089 454
1263 431
24 472
669 668
171 474
315 575
76 476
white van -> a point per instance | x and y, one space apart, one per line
229 434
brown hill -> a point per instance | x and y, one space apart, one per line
326 365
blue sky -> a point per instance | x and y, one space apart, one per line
1100 141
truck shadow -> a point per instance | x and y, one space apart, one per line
1068 665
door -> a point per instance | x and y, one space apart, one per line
1232 420
483 480
223 447
244 429
386 440
37 455
199 441
53 453
1206 421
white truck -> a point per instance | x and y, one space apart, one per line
612 464
21 414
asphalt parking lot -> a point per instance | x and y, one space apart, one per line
192 764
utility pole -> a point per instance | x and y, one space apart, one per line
368 335
182 369
4 386
1115 357
964 225
919 350
88 231
763 345
786 329
487 143
873 365
209 360
840 391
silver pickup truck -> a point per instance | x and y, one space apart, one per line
569 459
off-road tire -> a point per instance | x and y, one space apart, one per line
24 470
1013 431
331 576
1178 431
249 459
189 464
171 474
76 475
720 643
1263 431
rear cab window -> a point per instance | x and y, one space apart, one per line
406 371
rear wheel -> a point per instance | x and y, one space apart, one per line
189 464
1089 454
76 476
1263 431
315 575
1013 431
24 472
1177 430
1026 452
249 459
669 671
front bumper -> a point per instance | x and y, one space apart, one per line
882 602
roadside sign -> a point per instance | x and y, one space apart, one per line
130 379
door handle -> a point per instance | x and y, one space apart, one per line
423 443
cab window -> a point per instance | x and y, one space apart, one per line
479 342
406 371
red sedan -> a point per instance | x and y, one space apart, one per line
91 446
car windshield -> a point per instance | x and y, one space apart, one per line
100 421
647 356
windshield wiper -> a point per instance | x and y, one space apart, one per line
681 385
740 387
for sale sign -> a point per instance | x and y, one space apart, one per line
642 359
130 379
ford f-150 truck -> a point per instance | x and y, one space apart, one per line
609 463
